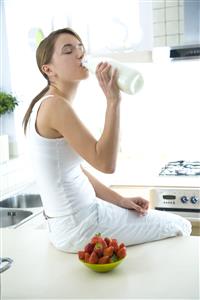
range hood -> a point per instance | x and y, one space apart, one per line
185 52
176 53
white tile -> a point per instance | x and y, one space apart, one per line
172 13
172 27
181 27
181 12
159 41
158 4
158 15
159 29
182 39
169 3
172 40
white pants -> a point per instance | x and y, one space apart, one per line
73 232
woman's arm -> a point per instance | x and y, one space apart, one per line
102 153
105 193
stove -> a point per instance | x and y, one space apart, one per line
181 168
182 201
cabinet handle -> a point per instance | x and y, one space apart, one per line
6 266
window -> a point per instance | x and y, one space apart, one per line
95 21
105 26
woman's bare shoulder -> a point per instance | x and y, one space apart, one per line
55 100
55 103
53 110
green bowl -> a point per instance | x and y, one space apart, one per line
102 268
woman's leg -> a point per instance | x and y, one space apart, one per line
127 226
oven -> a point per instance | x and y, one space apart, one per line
182 201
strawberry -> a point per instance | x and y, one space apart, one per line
102 250
114 243
87 257
89 248
108 251
122 245
121 253
108 241
104 260
103 243
81 254
99 249
96 238
93 258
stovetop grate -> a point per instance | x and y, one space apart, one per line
181 168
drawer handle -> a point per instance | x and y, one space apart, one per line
6 266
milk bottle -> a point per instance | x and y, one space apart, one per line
129 80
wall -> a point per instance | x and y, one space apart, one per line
7 122
168 22
4 62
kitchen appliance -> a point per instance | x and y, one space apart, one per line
185 52
181 168
182 201
176 53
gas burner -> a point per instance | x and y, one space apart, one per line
181 168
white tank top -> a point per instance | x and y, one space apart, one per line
63 186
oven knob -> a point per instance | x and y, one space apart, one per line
194 199
184 199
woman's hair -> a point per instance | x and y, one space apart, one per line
43 56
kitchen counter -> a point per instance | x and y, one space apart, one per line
143 173
162 269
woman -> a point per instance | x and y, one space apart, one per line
76 205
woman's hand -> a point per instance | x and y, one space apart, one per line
107 78
140 205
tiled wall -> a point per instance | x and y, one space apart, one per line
168 22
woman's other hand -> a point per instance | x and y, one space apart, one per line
107 77
140 205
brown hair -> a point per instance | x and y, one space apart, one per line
43 56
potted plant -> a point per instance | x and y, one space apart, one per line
7 105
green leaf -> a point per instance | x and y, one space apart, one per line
114 258
7 103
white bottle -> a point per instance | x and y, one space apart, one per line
129 80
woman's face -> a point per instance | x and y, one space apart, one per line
66 60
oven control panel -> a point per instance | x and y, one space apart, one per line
177 199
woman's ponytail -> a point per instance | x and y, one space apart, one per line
29 110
